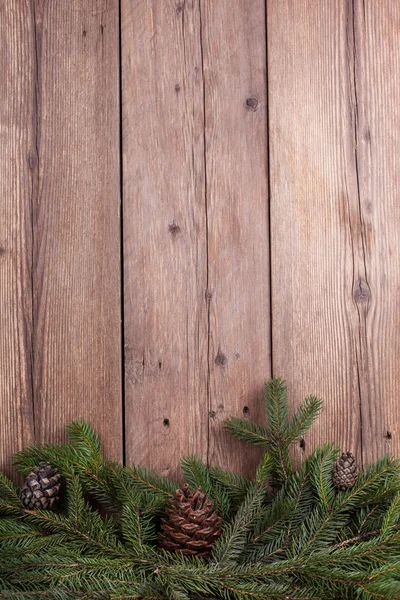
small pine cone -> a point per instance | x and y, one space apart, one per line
344 472
192 525
41 488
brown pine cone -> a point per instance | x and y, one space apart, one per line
192 524
344 472
41 488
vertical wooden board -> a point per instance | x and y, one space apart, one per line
16 148
234 53
76 231
317 261
377 82
165 257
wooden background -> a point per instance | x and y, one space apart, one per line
195 194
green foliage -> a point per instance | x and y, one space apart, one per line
281 432
286 534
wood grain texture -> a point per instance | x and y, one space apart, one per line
376 31
317 247
75 220
16 182
233 41
165 253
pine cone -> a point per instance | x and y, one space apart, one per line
192 525
41 488
344 472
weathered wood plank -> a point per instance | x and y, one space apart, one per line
317 246
165 254
376 29
233 41
16 184
76 233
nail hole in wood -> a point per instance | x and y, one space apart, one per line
84 33
246 410
252 104
166 423
221 359
160 364
388 435
302 444
177 88
208 295
212 414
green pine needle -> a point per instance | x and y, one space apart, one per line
286 534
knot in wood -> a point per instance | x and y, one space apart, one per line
174 228
252 104
362 292
32 161
221 359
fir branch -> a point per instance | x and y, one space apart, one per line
265 469
303 419
247 431
85 440
234 485
276 405
10 503
321 474
197 474
230 545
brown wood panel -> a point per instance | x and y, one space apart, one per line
234 55
75 219
318 262
376 28
16 183
165 253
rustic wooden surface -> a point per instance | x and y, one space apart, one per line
16 182
315 233
256 143
334 125
165 239
233 39
62 345
377 81
77 340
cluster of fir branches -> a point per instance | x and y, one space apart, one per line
295 539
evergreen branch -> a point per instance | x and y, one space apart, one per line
85 440
247 431
303 419
230 545
265 469
276 405
234 485
303 541
321 474
10 503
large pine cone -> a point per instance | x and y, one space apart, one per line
41 488
192 525
344 472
